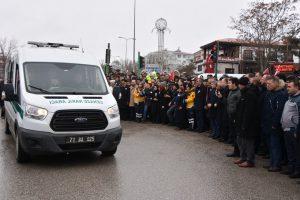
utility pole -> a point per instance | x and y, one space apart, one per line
216 69
134 38
139 64
126 63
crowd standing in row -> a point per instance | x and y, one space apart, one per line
256 114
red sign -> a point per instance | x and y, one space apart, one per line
228 59
285 68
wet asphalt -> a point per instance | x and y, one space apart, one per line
152 162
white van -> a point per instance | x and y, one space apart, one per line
57 100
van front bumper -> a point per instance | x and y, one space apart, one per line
40 143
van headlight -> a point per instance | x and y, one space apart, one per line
35 112
113 112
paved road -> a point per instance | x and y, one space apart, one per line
153 162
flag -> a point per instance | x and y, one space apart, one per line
172 76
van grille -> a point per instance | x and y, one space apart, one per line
78 120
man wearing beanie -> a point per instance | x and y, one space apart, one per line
247 124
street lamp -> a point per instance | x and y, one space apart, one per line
126 39
134 35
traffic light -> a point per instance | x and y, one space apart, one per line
108 54
142 63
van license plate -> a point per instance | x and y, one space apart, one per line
80 139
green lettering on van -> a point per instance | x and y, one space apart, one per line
57 101
17 108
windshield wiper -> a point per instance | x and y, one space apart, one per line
40 89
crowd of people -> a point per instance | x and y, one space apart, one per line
256 114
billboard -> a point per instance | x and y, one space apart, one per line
153 67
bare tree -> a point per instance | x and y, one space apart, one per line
294 44
119 64
267 24
6 49
188 69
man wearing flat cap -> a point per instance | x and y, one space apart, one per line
247 124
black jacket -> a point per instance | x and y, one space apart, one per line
117 93
163 100
125 97
200 97
154 96
232 101
148 94
222 115
248 114
273 107
214 101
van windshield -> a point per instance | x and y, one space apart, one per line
64 78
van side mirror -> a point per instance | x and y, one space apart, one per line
9 92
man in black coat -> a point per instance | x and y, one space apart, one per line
247 124
224 121
164 99
171 111
180 109
263 148
124 100
273 105
117 92
148 94
156 118
200 102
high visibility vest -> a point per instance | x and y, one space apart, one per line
190 100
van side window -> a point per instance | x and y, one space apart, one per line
10 72
17 83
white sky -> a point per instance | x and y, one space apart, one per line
96 22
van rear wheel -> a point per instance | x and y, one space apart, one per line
21 155
109 153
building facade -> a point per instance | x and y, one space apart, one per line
199 61
167 60
239 56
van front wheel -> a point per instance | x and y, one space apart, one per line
21 155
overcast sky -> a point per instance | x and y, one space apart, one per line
97 22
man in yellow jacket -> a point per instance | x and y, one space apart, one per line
131 102
139 101
190 106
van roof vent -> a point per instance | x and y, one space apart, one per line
53 45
